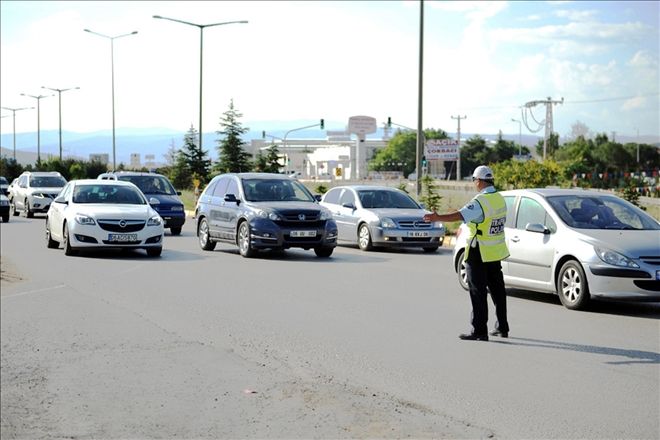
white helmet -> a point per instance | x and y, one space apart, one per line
482 172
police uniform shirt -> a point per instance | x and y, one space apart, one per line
472 211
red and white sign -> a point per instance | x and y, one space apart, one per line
441 149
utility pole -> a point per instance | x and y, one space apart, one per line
548 119
420 130
458 135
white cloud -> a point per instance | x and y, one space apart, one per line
576 15
634 103
643 58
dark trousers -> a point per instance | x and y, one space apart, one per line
481 277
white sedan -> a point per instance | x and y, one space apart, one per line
103 214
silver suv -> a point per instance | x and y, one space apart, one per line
34 192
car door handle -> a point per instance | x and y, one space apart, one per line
515 239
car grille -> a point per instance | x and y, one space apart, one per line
301 218
414 224
652 260
116 225
651 285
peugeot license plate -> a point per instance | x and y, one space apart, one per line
303 233
122 238
418 234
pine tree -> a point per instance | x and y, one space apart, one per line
273 160
195 158
232 156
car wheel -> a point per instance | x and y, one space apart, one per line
243 240
68 250
176 231
5 218
364 238
461 271
205 241
154 251
12 208
572 286
50 243
323 251
431 249
28 212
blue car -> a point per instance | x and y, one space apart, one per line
159 192
257 211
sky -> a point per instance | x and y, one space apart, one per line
306 60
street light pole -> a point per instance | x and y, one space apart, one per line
14 110
201 56
59 93
38 98
112 69
519 136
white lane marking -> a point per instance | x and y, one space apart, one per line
29 292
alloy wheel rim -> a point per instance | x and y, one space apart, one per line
203 233
364 237
571 285
243 238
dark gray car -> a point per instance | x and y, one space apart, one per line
263 211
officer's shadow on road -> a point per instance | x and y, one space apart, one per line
168 255
632 356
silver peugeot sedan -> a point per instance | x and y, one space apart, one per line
373 216
578 244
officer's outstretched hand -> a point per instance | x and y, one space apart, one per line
429 217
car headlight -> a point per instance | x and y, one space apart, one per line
269 215
40 195
386 222
614 258
4 202
85 220
326 214
155 221
438 225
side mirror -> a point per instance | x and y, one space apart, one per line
178 193
231 198
537 227
423 205
317 197
154 201
349 206
60 200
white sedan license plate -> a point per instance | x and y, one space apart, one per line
303 233
122 238
418 234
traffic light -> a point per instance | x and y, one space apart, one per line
423 161
263 134
322 124
389 122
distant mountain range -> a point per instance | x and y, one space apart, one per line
157 141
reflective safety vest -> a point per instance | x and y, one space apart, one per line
490 232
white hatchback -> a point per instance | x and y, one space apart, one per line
102 214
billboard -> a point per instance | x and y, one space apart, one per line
441 149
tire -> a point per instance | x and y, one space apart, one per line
154 251
431 249
572 286
460 271
323 251
243 241
205 241
176 231
68 250
5 218
50 243
28 212
12 208
364 238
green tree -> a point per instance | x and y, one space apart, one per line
430 196
402 149
10 168
195 158
273 160
553 145
232 156
629 192
512 174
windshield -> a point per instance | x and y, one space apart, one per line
272 190
110 194
47 181
151 184
601 212
373 199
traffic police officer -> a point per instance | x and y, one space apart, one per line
485 216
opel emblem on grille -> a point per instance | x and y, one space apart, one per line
122 223
301 217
